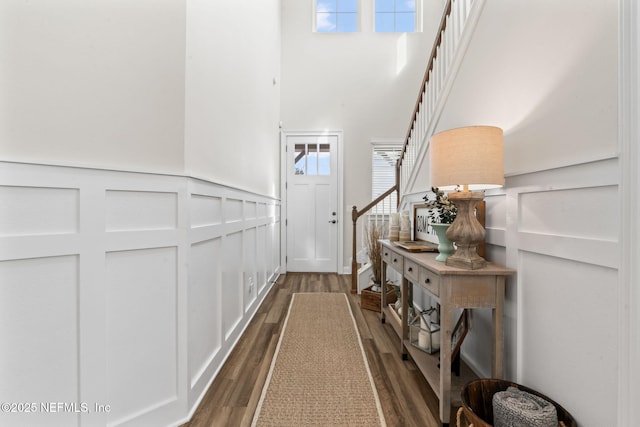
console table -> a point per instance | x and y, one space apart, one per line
454 288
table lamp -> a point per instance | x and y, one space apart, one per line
471 158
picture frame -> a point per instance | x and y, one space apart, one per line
459 332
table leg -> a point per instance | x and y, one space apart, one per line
497 350
445 352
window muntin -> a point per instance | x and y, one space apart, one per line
336 16
312 159
395 16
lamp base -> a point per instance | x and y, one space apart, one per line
468 262
466 231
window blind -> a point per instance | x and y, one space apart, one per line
383 171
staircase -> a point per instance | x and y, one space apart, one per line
458 22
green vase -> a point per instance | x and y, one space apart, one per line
445 247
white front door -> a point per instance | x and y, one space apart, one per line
312 203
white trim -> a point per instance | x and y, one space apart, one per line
629 273
283 192
386 141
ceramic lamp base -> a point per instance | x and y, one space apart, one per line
466 232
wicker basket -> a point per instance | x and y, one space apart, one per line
477 403
371 300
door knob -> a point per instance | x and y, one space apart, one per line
333 221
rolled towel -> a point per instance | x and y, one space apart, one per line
517 408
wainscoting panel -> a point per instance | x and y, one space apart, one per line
141 336
251 210
205 311
125 291
233 210
251 265
228 273
556 296
573 213
261 257
232 286
205 210
141 210
39 326
495 219
22 209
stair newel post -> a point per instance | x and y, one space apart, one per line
354 263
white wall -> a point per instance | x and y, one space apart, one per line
355 82
549 79
134 249
96 83
233 93
547 73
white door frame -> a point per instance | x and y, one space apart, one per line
339 193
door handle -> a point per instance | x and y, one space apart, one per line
333 221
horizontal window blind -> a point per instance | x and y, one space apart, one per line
383 171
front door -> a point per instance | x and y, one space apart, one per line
312 203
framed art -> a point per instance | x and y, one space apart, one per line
459 332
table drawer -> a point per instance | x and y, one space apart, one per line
411 270
430 281
393 259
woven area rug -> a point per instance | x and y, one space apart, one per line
319 375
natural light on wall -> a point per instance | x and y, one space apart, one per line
401 52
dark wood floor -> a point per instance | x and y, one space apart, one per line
407 399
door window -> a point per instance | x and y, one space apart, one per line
312 159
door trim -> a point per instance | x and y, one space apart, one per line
340 268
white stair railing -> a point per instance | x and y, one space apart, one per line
457 24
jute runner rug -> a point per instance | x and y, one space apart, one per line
319 375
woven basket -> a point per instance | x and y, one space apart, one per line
477 403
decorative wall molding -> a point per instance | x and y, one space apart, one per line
628 306
134 286
550 226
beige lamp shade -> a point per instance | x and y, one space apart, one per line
472 156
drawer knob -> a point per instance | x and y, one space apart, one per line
386 254
395 260
427 280
410 269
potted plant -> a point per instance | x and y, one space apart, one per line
371 297
374 234
442 212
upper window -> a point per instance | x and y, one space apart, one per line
336 16
395 16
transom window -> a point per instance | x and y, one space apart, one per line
336 16
395 16
312 159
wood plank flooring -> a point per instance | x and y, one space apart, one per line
407 399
